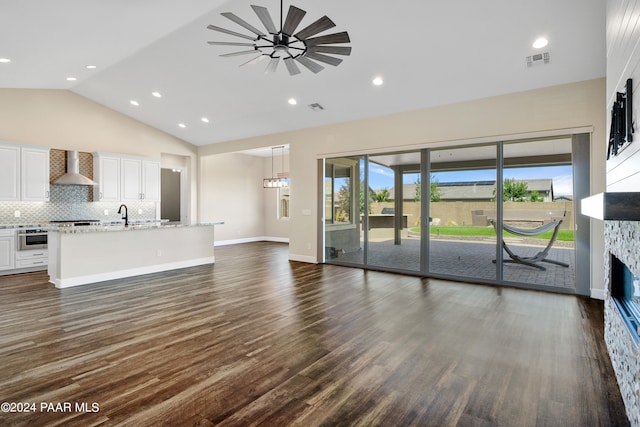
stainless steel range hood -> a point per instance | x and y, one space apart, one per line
73 177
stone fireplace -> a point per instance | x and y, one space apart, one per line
622 240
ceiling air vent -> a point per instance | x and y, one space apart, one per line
538 59
316 107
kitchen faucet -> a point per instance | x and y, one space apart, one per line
125 216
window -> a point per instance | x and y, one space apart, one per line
283 203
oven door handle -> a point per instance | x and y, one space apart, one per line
31 234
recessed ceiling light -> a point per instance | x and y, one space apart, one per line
134 103
378 81
90 67
4 60
71 79
182 125
156 94
540 43
292 101
205 120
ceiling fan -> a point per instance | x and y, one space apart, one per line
285 43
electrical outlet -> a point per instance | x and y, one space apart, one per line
139 211
106 211
158 252
16 214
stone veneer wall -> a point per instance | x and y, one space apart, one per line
622 239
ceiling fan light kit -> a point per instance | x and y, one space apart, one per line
305 47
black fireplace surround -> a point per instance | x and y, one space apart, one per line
625 292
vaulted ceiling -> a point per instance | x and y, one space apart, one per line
428 52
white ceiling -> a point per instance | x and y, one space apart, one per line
428 52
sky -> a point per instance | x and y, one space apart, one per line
381 177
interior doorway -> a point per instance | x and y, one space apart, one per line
171 195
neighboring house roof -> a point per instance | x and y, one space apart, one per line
484 190
475 190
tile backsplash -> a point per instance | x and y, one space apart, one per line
71 202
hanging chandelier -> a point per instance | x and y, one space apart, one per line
280 180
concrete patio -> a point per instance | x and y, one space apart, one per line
470 258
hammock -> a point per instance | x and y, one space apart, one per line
529 232
532 231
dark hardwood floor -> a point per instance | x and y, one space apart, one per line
258 340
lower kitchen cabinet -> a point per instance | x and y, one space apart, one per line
35 258
7 249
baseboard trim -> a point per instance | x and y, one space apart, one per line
120 274
597 294
303 258
251 240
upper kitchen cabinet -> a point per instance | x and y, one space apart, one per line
10 167
140 179
25 173
127 178
106 169
34 174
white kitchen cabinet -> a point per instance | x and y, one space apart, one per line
140 179
30 259
107 170
34 176
7 249
131 179
150 181
10 167
25 173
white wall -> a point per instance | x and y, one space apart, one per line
623 62
64 120
231 191
552 110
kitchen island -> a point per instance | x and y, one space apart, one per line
91 254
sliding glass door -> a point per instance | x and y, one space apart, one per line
462 212
495 213
394 211
538 215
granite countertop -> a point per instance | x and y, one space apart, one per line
131 227
106 226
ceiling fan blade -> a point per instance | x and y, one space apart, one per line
291 66
319 26
244 52
255 60
311 65
324 58
242 23
335 50
233 33
231 44
272 65
342 37
294 16
265 18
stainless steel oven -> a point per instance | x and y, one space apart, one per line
32 238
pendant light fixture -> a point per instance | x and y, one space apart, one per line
282 179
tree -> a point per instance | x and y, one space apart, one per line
434 190
514 191
536 197
382 195
371 198
343 213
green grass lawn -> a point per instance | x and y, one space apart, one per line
563 235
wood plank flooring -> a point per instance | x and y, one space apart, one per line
259 340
